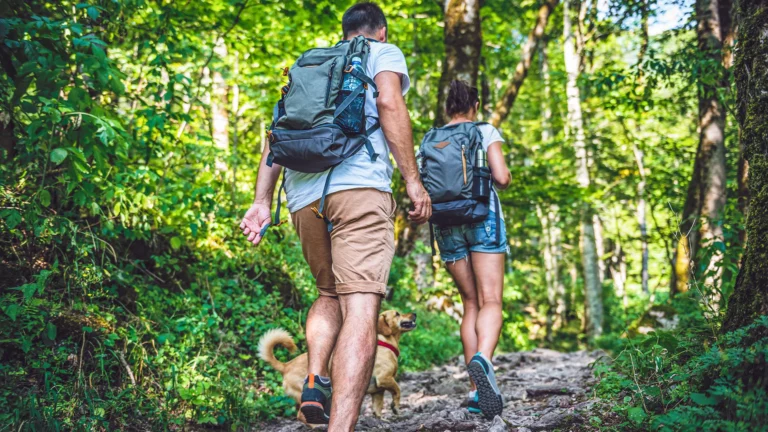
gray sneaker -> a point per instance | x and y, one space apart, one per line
489 396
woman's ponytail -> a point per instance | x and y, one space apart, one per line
461 98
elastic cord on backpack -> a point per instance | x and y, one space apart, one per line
319 210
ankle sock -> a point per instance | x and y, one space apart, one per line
482 356
323 380
472 394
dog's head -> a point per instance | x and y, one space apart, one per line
393 323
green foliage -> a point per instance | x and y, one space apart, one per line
129 302
688 379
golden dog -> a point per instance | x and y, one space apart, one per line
391 326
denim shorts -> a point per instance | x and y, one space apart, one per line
456 242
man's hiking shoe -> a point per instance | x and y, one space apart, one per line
489 396
473 405
316 400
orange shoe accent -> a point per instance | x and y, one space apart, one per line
312 382
313 403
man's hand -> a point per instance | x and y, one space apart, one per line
422 204
256 218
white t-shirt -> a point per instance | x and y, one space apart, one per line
490 136
302 189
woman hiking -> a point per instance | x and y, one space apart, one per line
474 256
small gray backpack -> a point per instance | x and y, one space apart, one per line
459 189
306 134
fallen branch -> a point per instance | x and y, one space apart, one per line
121 357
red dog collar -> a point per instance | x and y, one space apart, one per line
390 347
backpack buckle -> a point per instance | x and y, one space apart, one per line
317 213
348 69
270 136
285 71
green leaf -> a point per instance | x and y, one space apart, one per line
22 84
50 331
87 329
45 198
28 290
58 155
636 415
12 310
12 217
704 400
175 242
93 13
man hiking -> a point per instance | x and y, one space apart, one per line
347 232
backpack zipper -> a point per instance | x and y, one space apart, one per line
330 79
464 163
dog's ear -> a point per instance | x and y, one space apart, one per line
383 326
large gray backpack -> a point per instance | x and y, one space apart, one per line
460 191
305 134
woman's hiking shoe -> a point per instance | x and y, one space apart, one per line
316 400
489 396
472 403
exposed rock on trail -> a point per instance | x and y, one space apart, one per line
543 390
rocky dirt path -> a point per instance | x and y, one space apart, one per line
543 390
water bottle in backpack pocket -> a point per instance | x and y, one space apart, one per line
481 181
350 120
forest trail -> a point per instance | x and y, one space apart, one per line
543 390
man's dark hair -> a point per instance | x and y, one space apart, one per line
462 97
365 18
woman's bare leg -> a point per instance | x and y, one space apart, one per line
488 270
461 271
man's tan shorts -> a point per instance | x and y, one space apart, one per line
356 256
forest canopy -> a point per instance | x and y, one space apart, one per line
130 136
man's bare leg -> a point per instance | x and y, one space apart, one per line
353 358
323 325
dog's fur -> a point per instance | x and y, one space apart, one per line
391 326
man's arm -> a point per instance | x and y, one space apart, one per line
259 214
396 125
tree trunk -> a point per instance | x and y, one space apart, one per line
463 44
702 215
504 105
750 295
550 219
219 111
7 136
641 217
589 256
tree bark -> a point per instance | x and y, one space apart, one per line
7 136
463 45
219 111
504 105
589 256
750 295
641 217
702 215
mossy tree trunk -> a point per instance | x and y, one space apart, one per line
463 44
750 296
702 216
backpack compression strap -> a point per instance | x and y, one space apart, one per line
276 219
319 210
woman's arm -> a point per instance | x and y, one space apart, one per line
498 165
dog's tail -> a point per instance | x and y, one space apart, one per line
269 341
